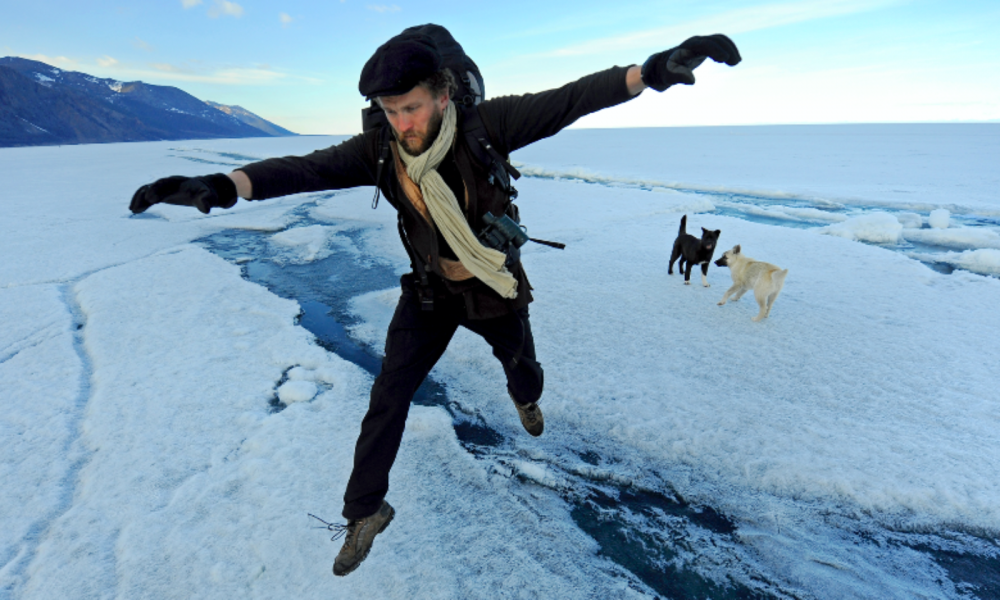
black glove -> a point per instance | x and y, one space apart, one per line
666 68
202 192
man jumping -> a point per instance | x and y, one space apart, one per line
442 193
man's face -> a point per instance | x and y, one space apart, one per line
415 118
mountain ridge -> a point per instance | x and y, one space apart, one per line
44 105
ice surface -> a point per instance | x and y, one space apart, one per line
42 383
139 373
917 166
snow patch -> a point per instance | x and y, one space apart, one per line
875 228
538 473
910 220
33 125
325 374
297 391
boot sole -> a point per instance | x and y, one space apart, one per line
392 513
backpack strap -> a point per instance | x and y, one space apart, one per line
424 290
383 158
478 138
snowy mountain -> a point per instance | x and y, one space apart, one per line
251 119
41 104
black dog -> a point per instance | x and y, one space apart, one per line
693 251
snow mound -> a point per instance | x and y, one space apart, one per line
939 218
297 391
876 227
324 374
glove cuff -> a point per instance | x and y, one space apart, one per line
648 71
225 189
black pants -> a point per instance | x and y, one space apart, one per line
414 343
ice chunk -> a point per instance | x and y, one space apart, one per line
939 218
304 244
876 227
960 238
984 262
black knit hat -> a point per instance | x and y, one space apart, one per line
399 65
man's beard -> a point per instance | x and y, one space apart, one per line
416 145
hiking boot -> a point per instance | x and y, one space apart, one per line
360 535
531 417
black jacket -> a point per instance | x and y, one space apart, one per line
513 122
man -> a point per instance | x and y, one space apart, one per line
441 193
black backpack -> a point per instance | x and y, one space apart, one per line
471 91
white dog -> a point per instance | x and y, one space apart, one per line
765 279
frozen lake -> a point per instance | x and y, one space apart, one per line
181 390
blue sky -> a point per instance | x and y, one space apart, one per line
296 62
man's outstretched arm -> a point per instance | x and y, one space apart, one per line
525 119
342 166
633 79
244 187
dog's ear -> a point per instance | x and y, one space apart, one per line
736 249
718 232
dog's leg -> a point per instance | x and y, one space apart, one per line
704 273
687 273
739 294
771 299
674 255
728 293
761 298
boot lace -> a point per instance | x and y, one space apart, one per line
339 529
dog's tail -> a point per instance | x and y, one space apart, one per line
779 277
684 221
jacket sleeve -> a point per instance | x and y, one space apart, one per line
522 120
348 164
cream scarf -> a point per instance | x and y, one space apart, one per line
485 263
